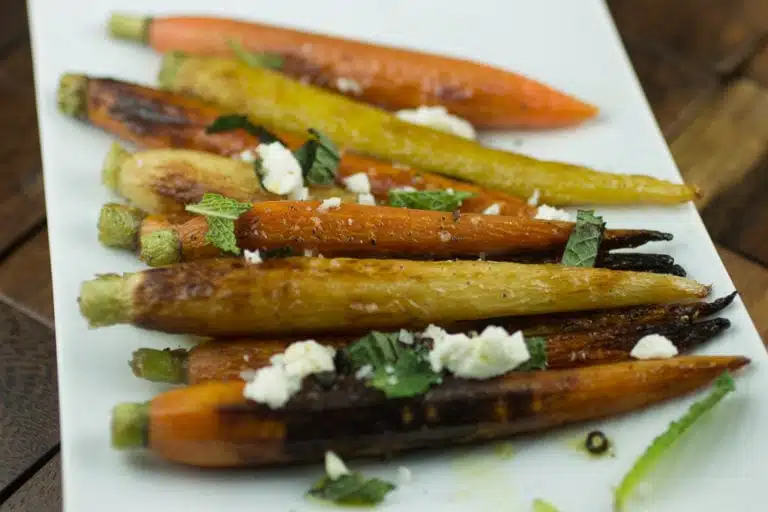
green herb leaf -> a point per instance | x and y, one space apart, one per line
352 489
437 200
256 60
537 347
399 370
661 444
319 159
540 505
231 122
220 212
584 242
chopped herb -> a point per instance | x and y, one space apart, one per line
319 159
540 505
220 212
436 200
351 489
537 348
399 370
231 122
597 443
646 462
256 60
584 242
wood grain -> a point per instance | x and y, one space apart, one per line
41 493
675 90
716 34
25 277
21 189
13 22
29 405
751 280
725 141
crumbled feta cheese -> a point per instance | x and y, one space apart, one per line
280 171
328 204
364 372
358 183
246 358
275 384
405 336
494 209
389 369
252 256
247 156
309 253
450 191
437 117
404 475
654 346
444 236
391 380
307 357
271 385
334 466
534 199
349 85
406 188
491 353
299 194
434 333
551 213
366 199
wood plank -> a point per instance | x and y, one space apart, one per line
29 405
675 90
725 141
751 280
21 189
25 277
758 66
41 493
716 34
13 22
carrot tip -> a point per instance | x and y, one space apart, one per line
128 27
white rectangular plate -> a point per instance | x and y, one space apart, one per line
571 45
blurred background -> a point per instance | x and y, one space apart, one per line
703 65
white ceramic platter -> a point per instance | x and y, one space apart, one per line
571 45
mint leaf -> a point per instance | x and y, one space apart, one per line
231 122
437 200
662 443
399 370
220 212
256 60
584 242
537 347
319 159
351 489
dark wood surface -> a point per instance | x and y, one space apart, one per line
702 63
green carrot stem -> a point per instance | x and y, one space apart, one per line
130 425
107 300
160 365
71 95
119 225
161 247
110 173
129 27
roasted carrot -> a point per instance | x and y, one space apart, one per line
641 317
152 118
230 297
351 230
392 78
273 100
214 425
228 359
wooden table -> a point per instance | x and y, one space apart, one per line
704 67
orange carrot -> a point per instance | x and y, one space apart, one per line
389 77
152 118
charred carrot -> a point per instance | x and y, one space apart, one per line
392 78
228 359
230 297
164 181
156 119
214 425
351 230
273 100
641 317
